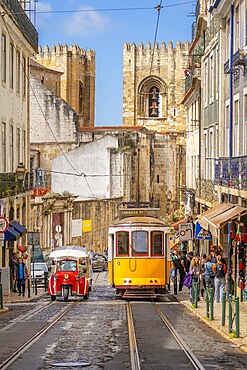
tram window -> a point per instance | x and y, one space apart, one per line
156 243
140 242
122 243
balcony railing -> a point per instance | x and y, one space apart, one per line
234 174
239 61
24 23
10 185
205 190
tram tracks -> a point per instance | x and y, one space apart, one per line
133 339
17 353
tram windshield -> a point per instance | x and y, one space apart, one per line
66 265
140 242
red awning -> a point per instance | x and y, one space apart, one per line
175 225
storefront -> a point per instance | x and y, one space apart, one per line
228 225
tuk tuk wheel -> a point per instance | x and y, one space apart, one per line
53 297
66 294
85 297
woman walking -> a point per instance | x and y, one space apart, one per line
195 272
22 275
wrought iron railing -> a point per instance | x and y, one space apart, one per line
205 190
232 173
10 185
17 12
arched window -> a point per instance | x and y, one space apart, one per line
153 101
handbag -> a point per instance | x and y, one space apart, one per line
187 280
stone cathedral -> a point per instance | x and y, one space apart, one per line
153 86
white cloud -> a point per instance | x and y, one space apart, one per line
43 18
87 23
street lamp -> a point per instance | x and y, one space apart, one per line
20 174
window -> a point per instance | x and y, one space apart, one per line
206 84
18 71
122 243
4 146
4 59
24 146
140 243
24 72
80 97
236 112
237 28
157 243
227 123
211 78
11 144
18 144
154 102
11 66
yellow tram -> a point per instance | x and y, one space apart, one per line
138 251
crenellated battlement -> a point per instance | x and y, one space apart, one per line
58 51
142 51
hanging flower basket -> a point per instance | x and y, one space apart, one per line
21 248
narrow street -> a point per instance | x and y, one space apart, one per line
94 334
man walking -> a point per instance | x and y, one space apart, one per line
219 268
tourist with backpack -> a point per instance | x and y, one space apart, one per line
209 273
219 268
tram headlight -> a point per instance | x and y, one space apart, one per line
66 276
127 281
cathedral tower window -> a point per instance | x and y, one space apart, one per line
153 102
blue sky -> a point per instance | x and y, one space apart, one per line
105 32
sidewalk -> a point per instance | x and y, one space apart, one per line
15 298
215 324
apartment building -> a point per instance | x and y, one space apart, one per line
19 41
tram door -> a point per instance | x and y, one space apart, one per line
111 258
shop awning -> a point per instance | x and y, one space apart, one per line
219 216
205 218
11 234
18 227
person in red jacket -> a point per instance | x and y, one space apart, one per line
219 268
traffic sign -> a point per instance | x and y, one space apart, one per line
3 224
33 238
185 231
58 228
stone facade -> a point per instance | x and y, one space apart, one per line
78 78
153 86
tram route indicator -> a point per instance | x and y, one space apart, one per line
185 231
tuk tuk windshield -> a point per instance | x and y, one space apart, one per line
66 265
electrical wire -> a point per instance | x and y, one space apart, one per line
106 9
158 7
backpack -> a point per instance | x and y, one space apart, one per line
208 270
220 273
177 263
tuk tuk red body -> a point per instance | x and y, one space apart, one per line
71 273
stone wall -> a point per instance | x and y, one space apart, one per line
78 78
162 68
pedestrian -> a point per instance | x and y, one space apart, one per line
182 270
22 275
173 270
219 268
209 274
14 264
195 273
202 275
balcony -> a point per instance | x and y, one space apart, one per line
15 9
205 190
10 185
234 176
239 61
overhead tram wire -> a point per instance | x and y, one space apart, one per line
107 9
46 121
158 7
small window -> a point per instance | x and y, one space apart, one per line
157 243
122 243
140 243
